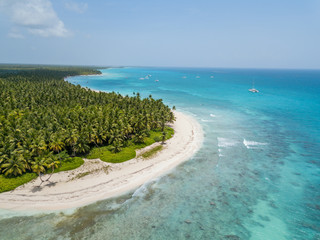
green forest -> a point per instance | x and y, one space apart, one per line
46 121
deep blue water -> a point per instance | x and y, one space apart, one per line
257 175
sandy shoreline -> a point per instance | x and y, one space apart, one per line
68 190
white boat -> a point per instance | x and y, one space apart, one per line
156 80
253 89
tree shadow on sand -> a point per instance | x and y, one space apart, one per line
40 187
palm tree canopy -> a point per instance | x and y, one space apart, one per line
42 115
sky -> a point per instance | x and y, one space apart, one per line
166 33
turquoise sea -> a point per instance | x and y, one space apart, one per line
257 175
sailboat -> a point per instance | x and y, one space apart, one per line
253 89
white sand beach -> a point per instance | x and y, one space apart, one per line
95 181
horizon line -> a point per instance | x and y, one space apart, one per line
141 66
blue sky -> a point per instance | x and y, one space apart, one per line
202 33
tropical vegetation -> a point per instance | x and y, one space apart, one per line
128 152
45 120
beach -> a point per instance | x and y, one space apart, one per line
97 180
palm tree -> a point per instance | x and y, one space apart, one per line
98 136
3 158
116 146
25 156
56 144
139 137
72 139
127 131
81 146
14 166
38 146
113 134
38 166
53 163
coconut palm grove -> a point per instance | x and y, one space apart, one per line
47 123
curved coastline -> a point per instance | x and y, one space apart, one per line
66 191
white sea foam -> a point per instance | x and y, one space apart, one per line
212 115
205 120
225 142
252 144
144 188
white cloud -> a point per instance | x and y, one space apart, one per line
15 35
76 7
36 16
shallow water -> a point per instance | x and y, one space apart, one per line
257 175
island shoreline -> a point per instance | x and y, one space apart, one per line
66 191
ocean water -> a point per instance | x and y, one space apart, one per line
257 175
